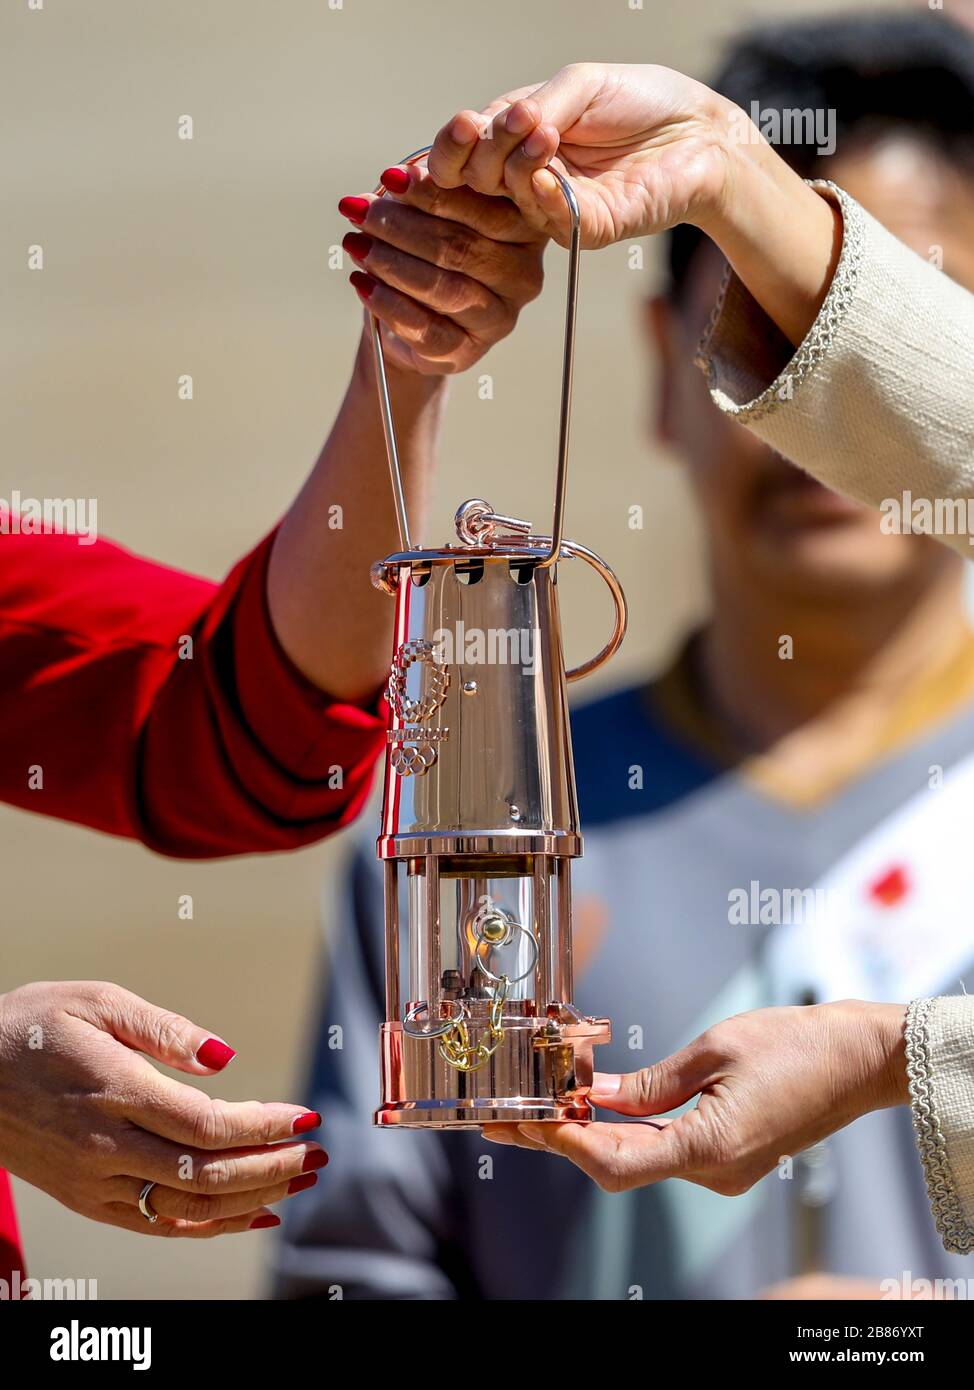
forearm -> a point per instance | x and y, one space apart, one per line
861 1052
875 402
156 705
333 625
782 239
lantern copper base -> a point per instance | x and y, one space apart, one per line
538 1073
473 1114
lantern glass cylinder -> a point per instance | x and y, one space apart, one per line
475 930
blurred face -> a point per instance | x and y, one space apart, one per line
765 519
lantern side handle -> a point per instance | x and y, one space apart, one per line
621 614
567 373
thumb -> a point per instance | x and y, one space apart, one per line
652 1090
550 210
562 101
159 1033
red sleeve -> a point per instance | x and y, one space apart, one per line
149 703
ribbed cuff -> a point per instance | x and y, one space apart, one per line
940 1068
751 367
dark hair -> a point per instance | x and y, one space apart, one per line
878 72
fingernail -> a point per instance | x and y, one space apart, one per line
214 1054
363 284
518 120
357 244
458 132
354 209
303 1123
395 180
301 1184
265 1222
544 185
535 144
605 1084
535 1132
314 1160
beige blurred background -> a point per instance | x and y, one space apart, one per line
164 256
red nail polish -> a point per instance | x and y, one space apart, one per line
265 1222
314 1160
357 244
214 1054
305 1122
395 180
364 284
354 209
301 1184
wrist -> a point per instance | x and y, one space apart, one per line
873 1053
889 1028
782 238
408 390
721 210
753 177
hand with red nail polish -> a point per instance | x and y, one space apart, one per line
446 275
265 1222
357 244
74 1064
301 1184
354 209
364 285
310 1120
214 1054
446 272
395 180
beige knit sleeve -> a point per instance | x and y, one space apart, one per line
878 401
940 1066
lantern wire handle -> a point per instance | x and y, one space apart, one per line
568 361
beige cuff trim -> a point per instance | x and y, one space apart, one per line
931 1116
742 348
